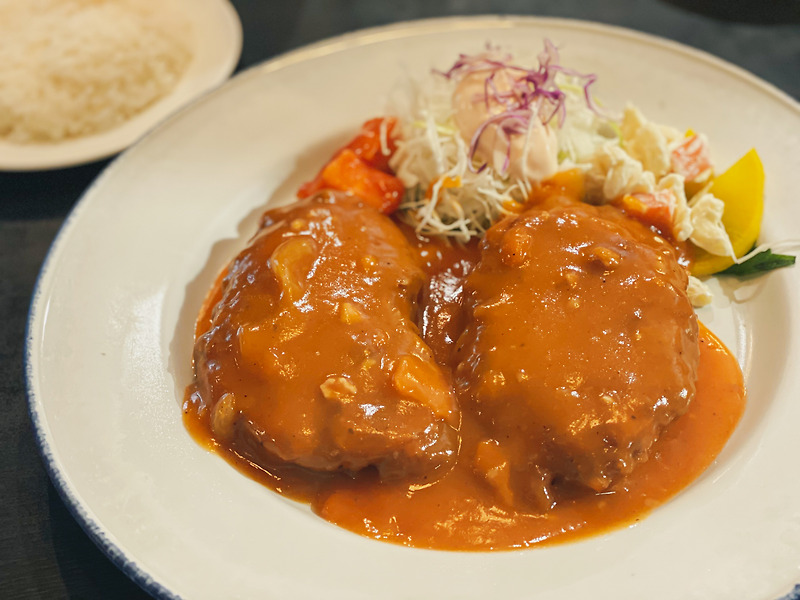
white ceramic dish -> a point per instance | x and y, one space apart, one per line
110 334
217 34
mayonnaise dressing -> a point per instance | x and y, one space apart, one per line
533 157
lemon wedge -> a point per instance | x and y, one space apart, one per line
741 188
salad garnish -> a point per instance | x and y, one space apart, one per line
479 139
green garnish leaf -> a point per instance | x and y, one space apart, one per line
760 263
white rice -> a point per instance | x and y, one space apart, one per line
71 68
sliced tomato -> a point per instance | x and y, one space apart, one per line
367 144
348 173
342 172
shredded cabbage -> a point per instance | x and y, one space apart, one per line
458 189
432 155
453 191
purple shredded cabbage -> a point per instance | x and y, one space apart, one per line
532 93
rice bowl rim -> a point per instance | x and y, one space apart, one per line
216 50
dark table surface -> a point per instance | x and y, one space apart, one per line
43 551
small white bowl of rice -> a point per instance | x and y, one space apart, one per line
81 80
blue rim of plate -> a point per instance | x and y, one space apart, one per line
793 595
94 530
362 37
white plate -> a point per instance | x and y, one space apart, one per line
110 335
217 35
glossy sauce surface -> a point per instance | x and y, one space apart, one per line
461 512
579 346
462 506
312 355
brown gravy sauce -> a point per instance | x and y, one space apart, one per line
459 511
